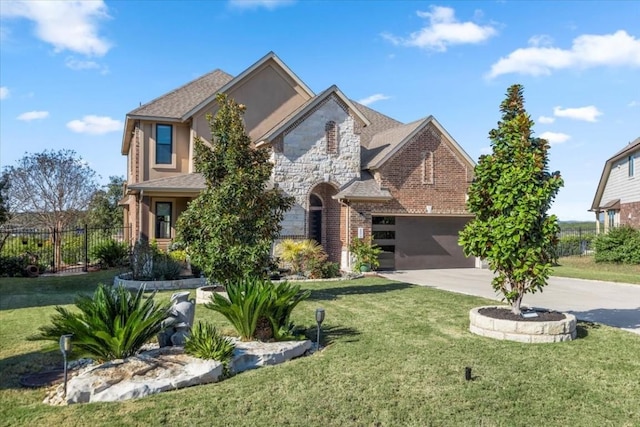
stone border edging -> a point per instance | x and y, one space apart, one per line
160 285
522 331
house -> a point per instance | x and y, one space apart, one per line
352 170
618 193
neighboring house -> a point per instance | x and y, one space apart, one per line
618 193
352 170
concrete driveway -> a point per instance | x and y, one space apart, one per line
614 304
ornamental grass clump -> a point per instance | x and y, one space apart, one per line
259 309
111 324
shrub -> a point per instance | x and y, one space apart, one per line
620 245
259 309
302 256
205 342
574 244
110 253
12 266
365 252
149 263
113 324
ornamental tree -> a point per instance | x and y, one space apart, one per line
230 227
510 195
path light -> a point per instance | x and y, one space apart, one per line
319 320
467 374
65 347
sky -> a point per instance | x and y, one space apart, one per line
70 71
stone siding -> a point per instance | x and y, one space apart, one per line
304 161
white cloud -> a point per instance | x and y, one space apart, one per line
555 137
546 120
587 51
4 92
373 98
95 125
33 115
633 103
67 25
255 4
442 31
587 114
540 40
80 65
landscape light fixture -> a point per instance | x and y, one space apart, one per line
65 347
467 374
319 320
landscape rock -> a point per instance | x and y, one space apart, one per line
163 369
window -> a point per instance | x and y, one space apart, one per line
383 220
384 234
331 131
163 220
164 144
612 218
631 165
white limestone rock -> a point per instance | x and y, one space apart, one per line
254 354
167 368
164 369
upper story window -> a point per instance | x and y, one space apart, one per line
631 165
331 132
164 144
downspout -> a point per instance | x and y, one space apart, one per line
140 215
347 224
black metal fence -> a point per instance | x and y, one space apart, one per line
576 241
58 250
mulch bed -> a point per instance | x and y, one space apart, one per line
506 314
41 379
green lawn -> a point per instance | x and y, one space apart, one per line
395 356
584 267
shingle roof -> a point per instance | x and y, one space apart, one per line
379 123
191 182
384 142
174 104
365 188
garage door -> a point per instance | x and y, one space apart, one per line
420 242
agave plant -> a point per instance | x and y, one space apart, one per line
255 301
113 324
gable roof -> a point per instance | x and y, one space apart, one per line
385 144
268 57
626 151
308 107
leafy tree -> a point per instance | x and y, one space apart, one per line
229 228
510 195
53 187
4 208
4 203
104 211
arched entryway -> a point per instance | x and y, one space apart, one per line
323 219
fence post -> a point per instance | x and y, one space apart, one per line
86 249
